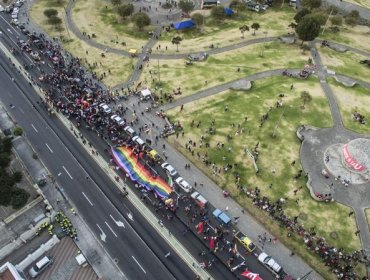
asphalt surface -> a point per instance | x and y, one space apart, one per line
50 140
96 198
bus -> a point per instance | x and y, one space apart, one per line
208 4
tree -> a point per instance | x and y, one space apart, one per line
237 5
198 18
186 6
352 18
125 10
311 4
141 20
308 29
306 98
50 13
320 16
17 131
255 27
218 12
176 40
19 198
4 160
55 21
17 177
116 2
336 20
243 28
301 14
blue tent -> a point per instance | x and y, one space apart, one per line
183 24
228 11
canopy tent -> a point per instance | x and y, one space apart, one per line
183 24
128 162
145 93
228 11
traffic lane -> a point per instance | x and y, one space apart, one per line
78 199
192 242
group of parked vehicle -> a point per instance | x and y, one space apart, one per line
14 10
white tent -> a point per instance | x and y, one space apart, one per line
145 94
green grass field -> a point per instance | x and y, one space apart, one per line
350 100
275 154
222 68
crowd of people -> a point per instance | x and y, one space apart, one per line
342 263
70 90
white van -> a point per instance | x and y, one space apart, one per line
138 140
40 266
117 119
130 131
183 184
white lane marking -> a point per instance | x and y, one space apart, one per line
9 31
20 109
34 127
60 173
67 172
118 223
87 199
139 264
103 236
10 25
111 229
49 148
130 216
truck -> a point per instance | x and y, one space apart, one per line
245 241
221 217
252 6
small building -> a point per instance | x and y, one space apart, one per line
145 94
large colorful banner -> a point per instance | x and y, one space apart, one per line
128 161
351 161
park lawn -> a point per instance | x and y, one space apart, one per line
347 63
98 17
275 155
274 22
120 72
350 100
222 68
367 213
355 37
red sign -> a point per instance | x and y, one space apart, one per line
250 275
351 162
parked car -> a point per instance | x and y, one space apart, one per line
185 186
169 169
2 9
270 262
138 140
245 241
199 199
154 155
221 217
105 108
130 131
40 266
117 119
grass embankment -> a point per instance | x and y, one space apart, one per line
100 18
221 68
275 156
120 67
273 22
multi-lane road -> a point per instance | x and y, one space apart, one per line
137 247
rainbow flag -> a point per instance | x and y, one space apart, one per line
128 161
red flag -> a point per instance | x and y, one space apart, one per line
250 275
212 244
200 227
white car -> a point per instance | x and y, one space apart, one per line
14 16
117 119
185 186
106 109
2 9
169 169
270 262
